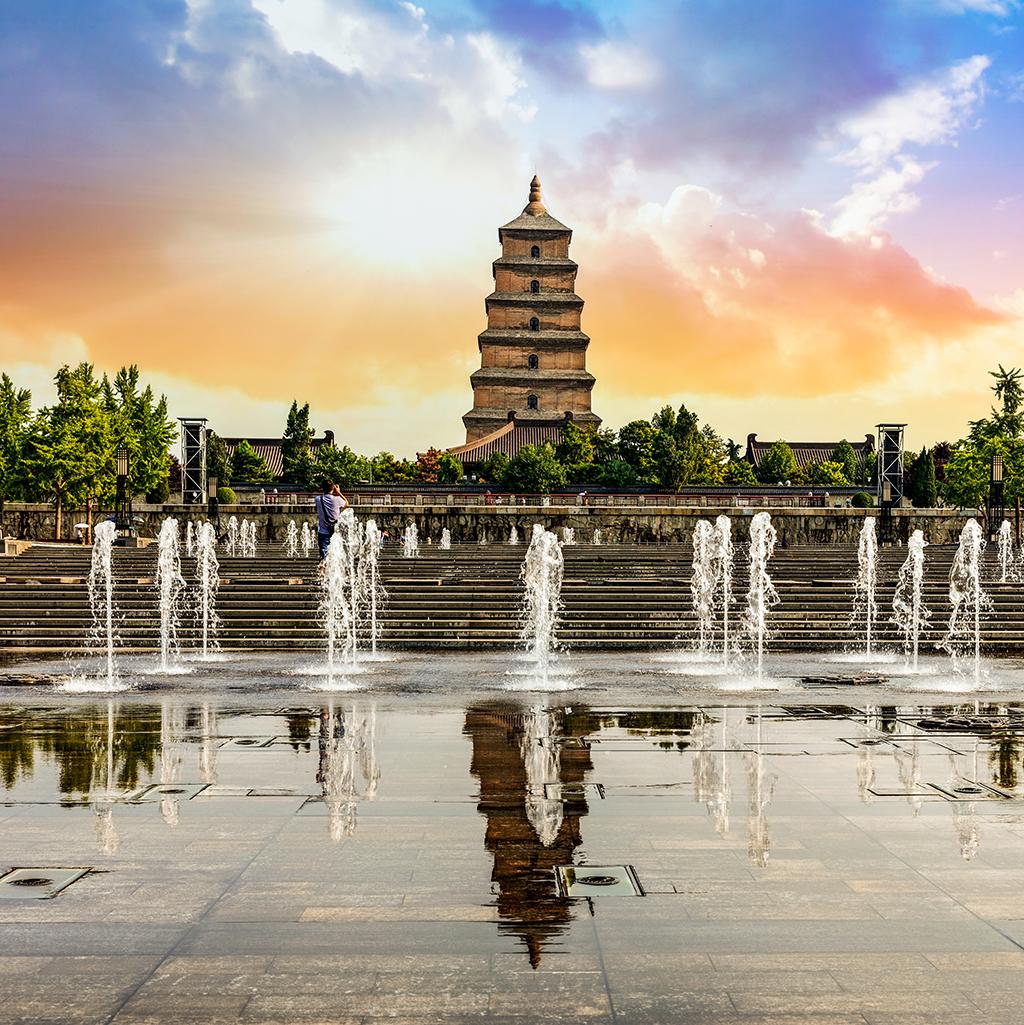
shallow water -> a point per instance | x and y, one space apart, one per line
260 853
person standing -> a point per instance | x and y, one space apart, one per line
329 504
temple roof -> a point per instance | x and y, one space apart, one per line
509 439
807 453
269 449
535 216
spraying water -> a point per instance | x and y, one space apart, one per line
170 586
909 613
411 542
446 540
482 539
513 536
702 583
306 540
968 600
371 593
597 537
190 539
723 574
231 546
336 612
208 581
101 597
542 579
247 539
568 536
1004 547
291 540
865 605
761 595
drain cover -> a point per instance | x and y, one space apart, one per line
252 743
177 791
37 883
598 881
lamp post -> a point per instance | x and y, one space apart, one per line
885 514
122 503
995 495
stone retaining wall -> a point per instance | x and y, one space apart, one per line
469 523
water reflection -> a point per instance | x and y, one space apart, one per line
515 752
347 768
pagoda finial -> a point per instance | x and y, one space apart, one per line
535 206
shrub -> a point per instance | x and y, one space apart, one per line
862 500
161 493
226 496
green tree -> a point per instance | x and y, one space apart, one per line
828 474
389 470
577 445
778 465
738 474
493 467
922 488
218 463
617 473
15 421
534 469
298 465
845 455
636 447
449 469
341 466
247 465
70 449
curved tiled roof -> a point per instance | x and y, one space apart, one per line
509 439
807 453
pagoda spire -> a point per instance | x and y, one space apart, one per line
535 207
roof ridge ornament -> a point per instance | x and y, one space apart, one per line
535 207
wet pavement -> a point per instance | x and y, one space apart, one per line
595 856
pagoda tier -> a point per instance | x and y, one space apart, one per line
532 353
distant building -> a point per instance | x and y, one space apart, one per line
807 453
270 450
533 356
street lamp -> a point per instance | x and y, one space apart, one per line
122 509
995 494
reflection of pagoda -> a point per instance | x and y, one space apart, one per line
526 834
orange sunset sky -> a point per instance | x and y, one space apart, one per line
798 222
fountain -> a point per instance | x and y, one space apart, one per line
306 540
761 594
568 536
336 612
1004 547
190 539
247 539
411 542
291 540
170 586
865 604
446 540
482 539
968 600
231 546
370 591
596 538
101 597
513 536
909 613
542 578
702 583
208 579
723 577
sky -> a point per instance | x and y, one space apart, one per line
799 218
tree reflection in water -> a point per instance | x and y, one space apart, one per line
515 752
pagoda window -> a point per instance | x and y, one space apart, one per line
531 401
535 252
533 361
534 324
535 286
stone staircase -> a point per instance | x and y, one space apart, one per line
614 596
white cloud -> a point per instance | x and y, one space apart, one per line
613 65
877 142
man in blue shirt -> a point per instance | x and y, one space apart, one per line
329 504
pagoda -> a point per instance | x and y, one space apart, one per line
533 356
